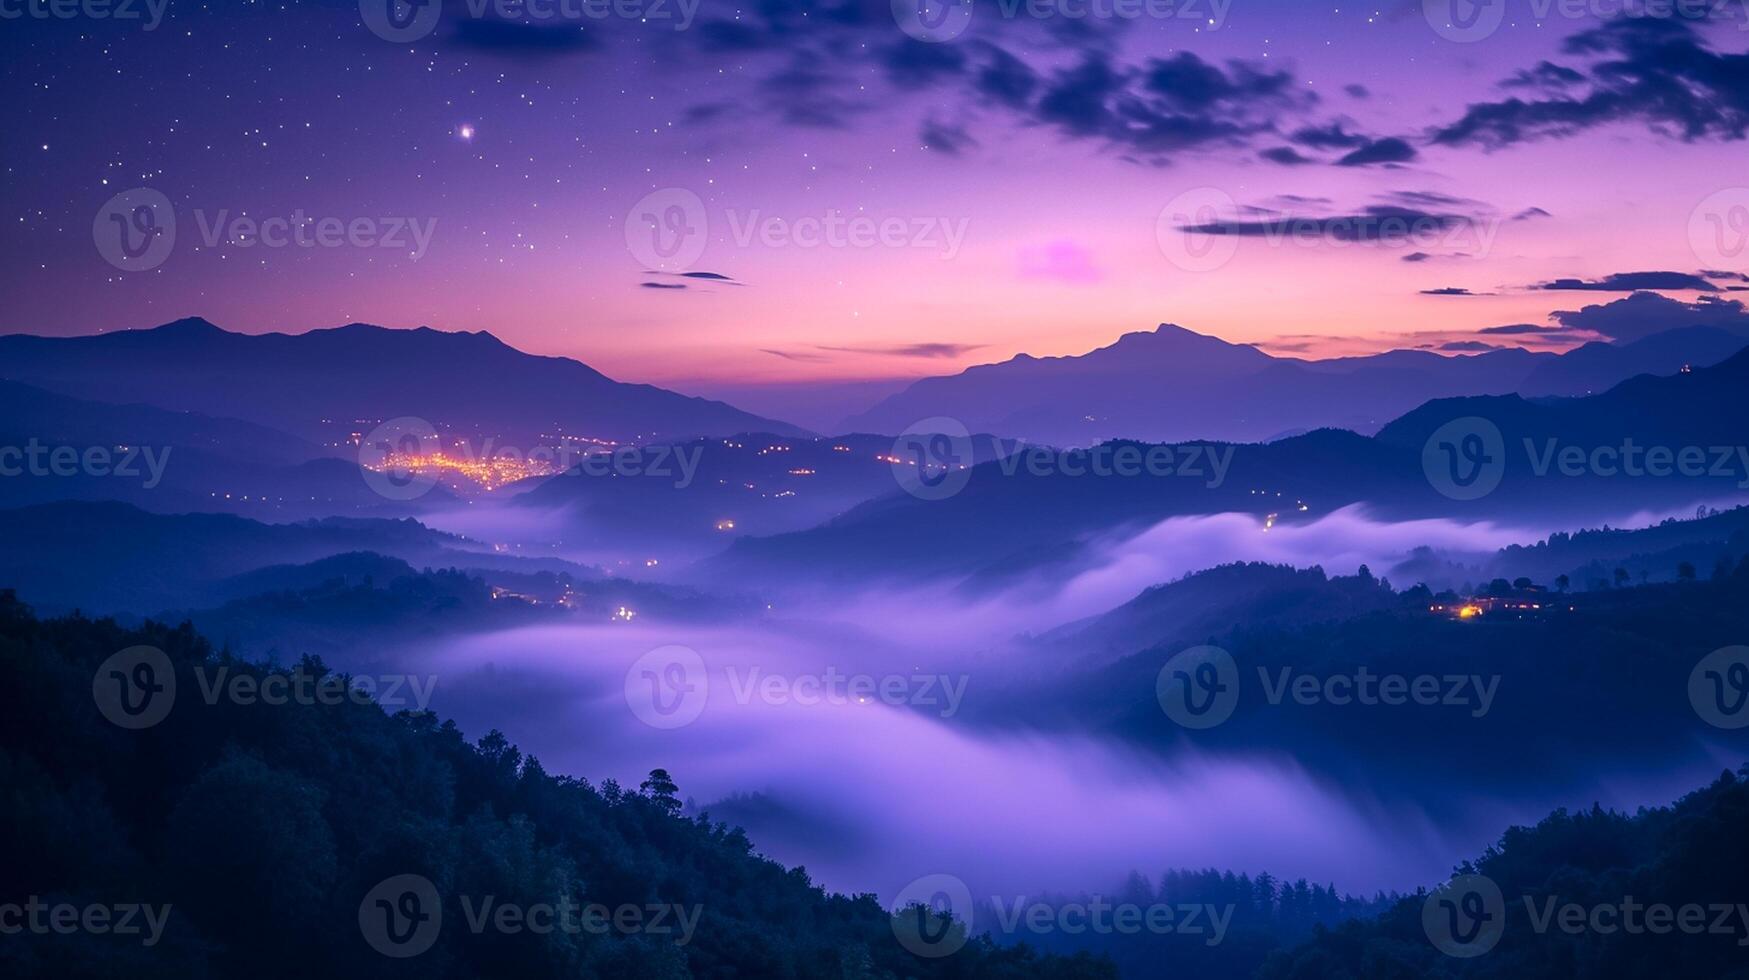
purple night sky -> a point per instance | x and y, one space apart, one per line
1031 173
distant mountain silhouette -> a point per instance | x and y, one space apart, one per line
1174 384
1009 522
174 462
1597 367
326 384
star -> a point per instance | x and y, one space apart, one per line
466 132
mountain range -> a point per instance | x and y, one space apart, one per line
1173 384
1008 520
326 385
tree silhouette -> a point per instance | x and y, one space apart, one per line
661 790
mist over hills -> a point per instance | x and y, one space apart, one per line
1008 517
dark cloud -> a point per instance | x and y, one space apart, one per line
1285 155
946 138
1007 79
1521 329
1171 104
1546 74
1643 314
1078 98
913 64
1449 291
1390 150
1628 282
1357 90
1656 71
715 276
927 350
707 111
807 93
1469 346
1373 224
1434 199
1417 257
802 356
1332 136
734 35
1529 213
662 285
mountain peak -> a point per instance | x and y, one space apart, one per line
189 326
